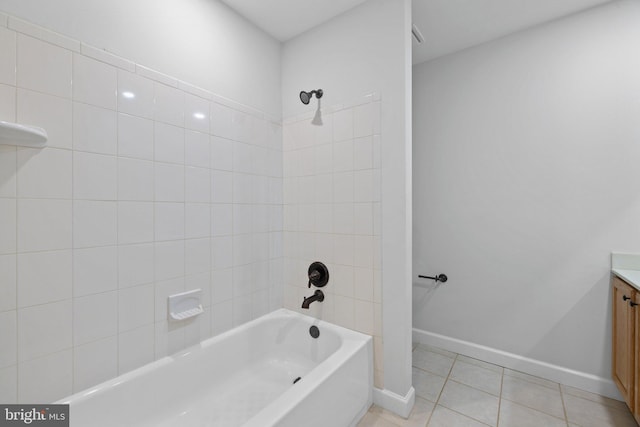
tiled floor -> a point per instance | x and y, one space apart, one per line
456 391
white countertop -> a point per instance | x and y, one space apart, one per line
632 277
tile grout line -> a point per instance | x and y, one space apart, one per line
500 397
564 408
435 406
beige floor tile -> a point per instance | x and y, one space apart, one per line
477 377
443 417
618 404
531 378
468 401
533 395
428 386
480 363
514 415
588 413
435 363
375 420
418 417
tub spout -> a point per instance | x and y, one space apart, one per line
317 296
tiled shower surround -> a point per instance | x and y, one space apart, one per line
147 187
332 213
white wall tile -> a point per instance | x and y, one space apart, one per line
94 82
221 153
197 220
51 113
169 221
201 281
163 289
43 67
364 316
221 317
135 95
363 283
9 385
44 329
7 226
7 103
343 125
363 153
343 218
363 185
343 247
95 176
44 173
242 310
221 187
242 188
136 348
135 180
135 137
221 219
363 214
363 251
196 113
135 265
242 157
260 303
221 285
197 256
169 260
94 223
95 317
135 222
169 143
363 118
43 225
135 307
169 105
95 129
343 187
46 379
221 121
221 252
94 270
169 338
44 277
344 311
169 182
8 49
377 160
9 334
94 363
197 185
8 280
196 149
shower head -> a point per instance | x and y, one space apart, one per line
305 97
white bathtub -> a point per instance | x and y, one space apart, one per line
243 377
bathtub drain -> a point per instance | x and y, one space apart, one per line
297 379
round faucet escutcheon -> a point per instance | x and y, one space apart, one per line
318 274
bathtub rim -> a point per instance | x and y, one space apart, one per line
352 341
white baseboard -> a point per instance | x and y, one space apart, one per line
559 374
393 402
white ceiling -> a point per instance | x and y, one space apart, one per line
285 19
447 25
452 25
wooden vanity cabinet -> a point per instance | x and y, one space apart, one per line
626 343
